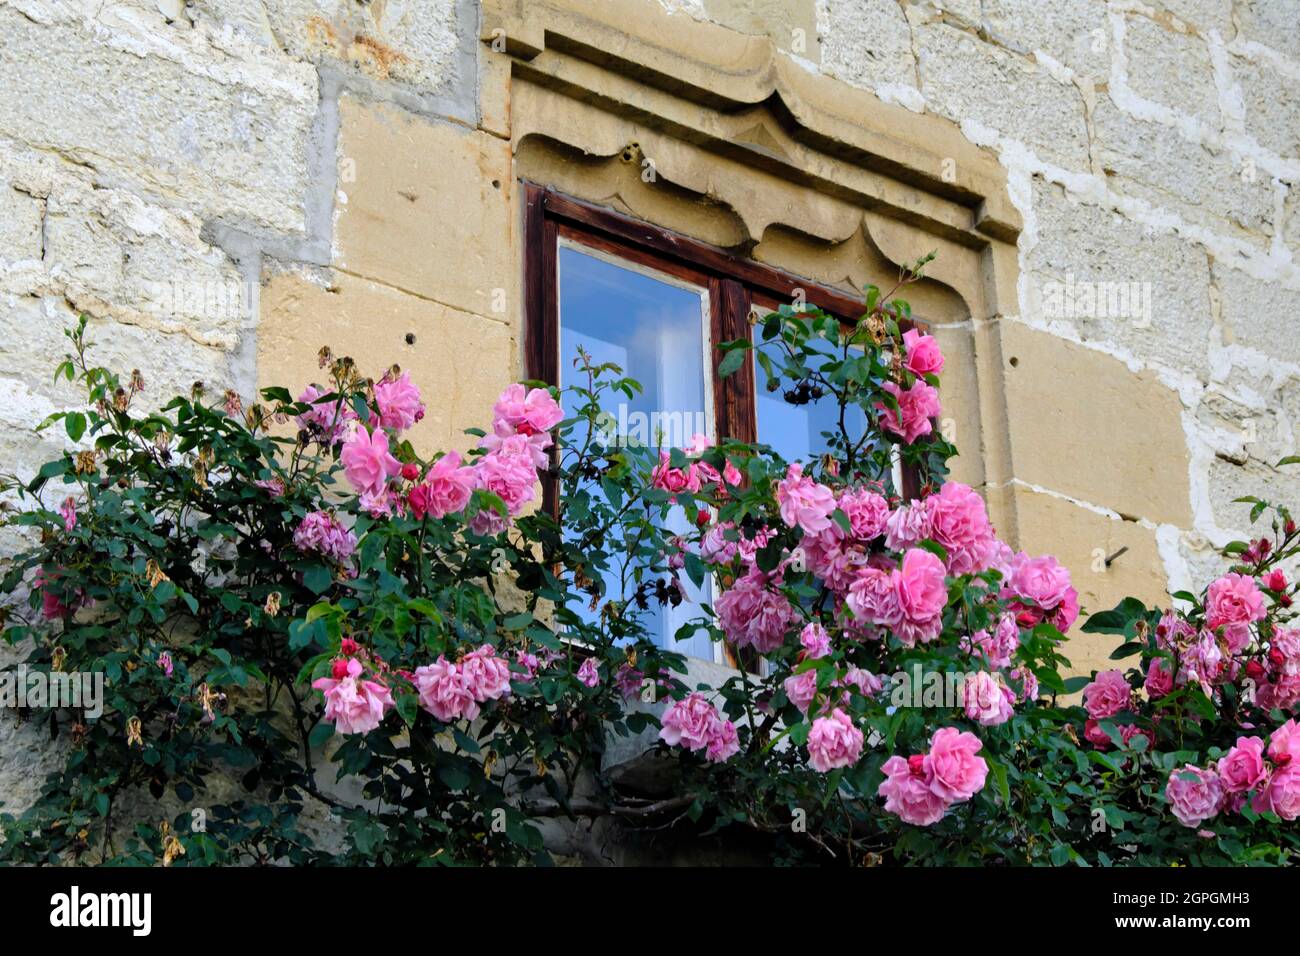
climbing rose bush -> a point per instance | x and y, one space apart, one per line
321 645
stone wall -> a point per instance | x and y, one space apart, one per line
226 185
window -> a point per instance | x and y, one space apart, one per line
657 304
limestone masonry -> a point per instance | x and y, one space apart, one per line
226 185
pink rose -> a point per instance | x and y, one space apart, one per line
1233 602
804 503
999 646
873 599
446 489
1284 745
906 526
1194 794
443 693
814 639
922 595
509 473
723 744
907 792
326 419
323 533
690 722
1160 679
68 511
353 705
399 402
589 672
987 701
923 354
1242 768
959 522
957 772
867 513
1107 695
801 689
1041 580
1282 795
918 405
753 614
833 742
367 462
528 411
486 676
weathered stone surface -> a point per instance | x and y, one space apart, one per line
20 225
868 43
1171 68
1073 33
1272 103
1255 312
429 211
1095 252
1082 539
1229 481
1085 426
459 361
1271 22
221 137
1150 161
965 79
1204 15
792 24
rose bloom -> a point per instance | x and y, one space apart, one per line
753 614
814 639
1041 580
873 600
367 462
1233 602
801 689
906 526
509 473
957 772
1284 745
918 405
1160 680
999 646
907 793
443 693
1107 695
325 420
867 512
1242 768
446 489
987 701
589 672
959 522
355 706
723 744
1282 795
322 532
804 503
833 742
486 676
690 722
922 595
528 411
399 402
1194 795
923 354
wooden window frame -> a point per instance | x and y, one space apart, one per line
732 283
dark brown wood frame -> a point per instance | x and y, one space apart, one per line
732 281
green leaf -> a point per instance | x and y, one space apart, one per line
731 362
75 425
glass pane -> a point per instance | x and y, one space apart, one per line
654 329
795 431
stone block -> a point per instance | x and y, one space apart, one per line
428 210
1084 425
964 78
459 361
868 43
1073 33
1171 68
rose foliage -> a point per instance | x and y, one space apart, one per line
320 645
